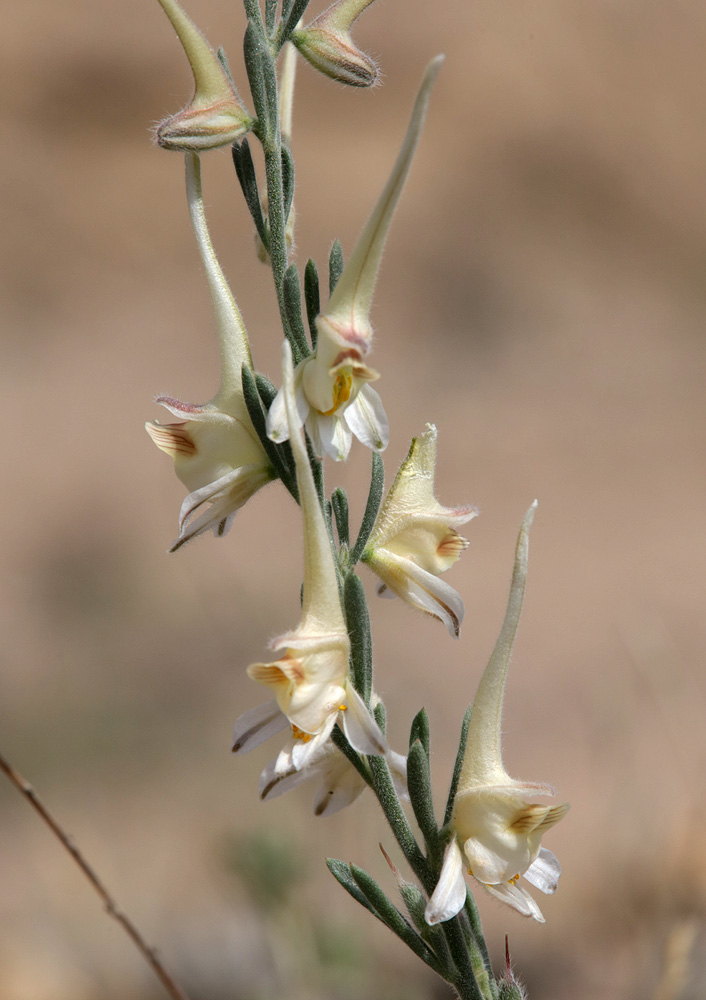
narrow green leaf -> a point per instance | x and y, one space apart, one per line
335 265
420 729
339 502
342 873
245 170
292 296
252 10
223 60
380 716
317 471
384 788
273 451
358 621
270 16
266 388
392 917
342 744
290 18
263 82
287 181
419 786
377 483
458 765
312 299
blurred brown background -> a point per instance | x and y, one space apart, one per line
542 300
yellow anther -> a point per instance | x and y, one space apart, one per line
341 391
514 879
299 734
342 708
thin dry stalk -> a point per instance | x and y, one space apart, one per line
148 953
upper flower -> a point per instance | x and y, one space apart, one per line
214 116
327 44
414 538
497 824
332 388
217 453
310 679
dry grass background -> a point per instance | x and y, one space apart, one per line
543 301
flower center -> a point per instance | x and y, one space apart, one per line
341 391
299 734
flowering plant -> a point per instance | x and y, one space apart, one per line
252 433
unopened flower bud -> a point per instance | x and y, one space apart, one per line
327 44
214 116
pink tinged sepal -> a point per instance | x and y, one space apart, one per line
215 115
450 892
257 725
326 43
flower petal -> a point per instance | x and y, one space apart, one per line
516 897
334 435
367 419
418 587
257 725
341 785
450 893
544 872
360 728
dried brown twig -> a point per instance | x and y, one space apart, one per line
149 954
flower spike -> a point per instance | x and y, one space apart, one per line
310 680
497 826
414 538
217 453
327 44
333 392
215 116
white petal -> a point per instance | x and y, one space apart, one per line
277 427
516 897
335 436
273 783
303 754
367 419
450 893
485 864
544 872
341 785
397 763
421 589
257 725
361 729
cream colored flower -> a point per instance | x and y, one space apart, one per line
310 679
497 824
334 397
217 453
414 539
214 116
